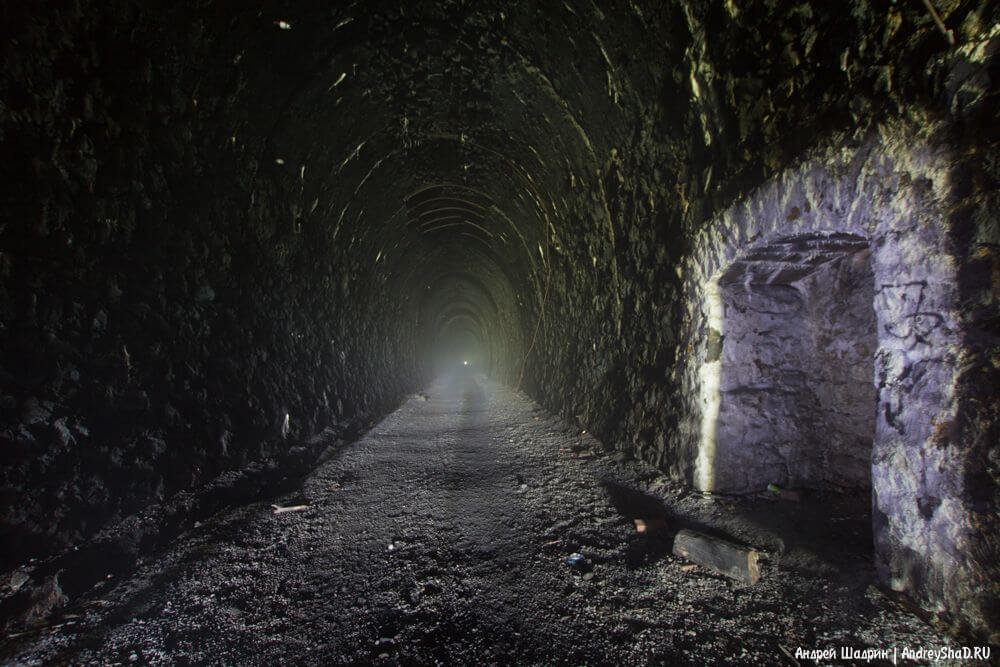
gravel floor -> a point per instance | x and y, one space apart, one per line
441 536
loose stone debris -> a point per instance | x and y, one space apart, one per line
476 571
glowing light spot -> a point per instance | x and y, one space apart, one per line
465 363
284 25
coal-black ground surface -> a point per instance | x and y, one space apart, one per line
441 536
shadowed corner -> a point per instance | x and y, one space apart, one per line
658 524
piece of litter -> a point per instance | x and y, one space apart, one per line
688 568
291 508
576 560
650 526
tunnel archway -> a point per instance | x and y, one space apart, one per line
796 378
234 233
916 492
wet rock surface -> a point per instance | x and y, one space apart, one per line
443 535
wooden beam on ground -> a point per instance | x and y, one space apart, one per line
732 560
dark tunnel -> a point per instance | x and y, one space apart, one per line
741 256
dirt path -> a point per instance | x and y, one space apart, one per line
441 536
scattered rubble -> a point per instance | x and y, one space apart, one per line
461 567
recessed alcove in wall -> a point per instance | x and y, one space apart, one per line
796 235
796 394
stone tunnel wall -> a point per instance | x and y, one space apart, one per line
671 147
841 336
902 190
163 319
204 224
795 382
627 365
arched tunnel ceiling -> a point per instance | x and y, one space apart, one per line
529 149
448 150
286 208
493 140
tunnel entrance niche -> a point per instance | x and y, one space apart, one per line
796 342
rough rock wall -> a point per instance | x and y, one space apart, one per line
162 320
690 106
842 338
763 389
796 389
218 214
816 84
898 191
